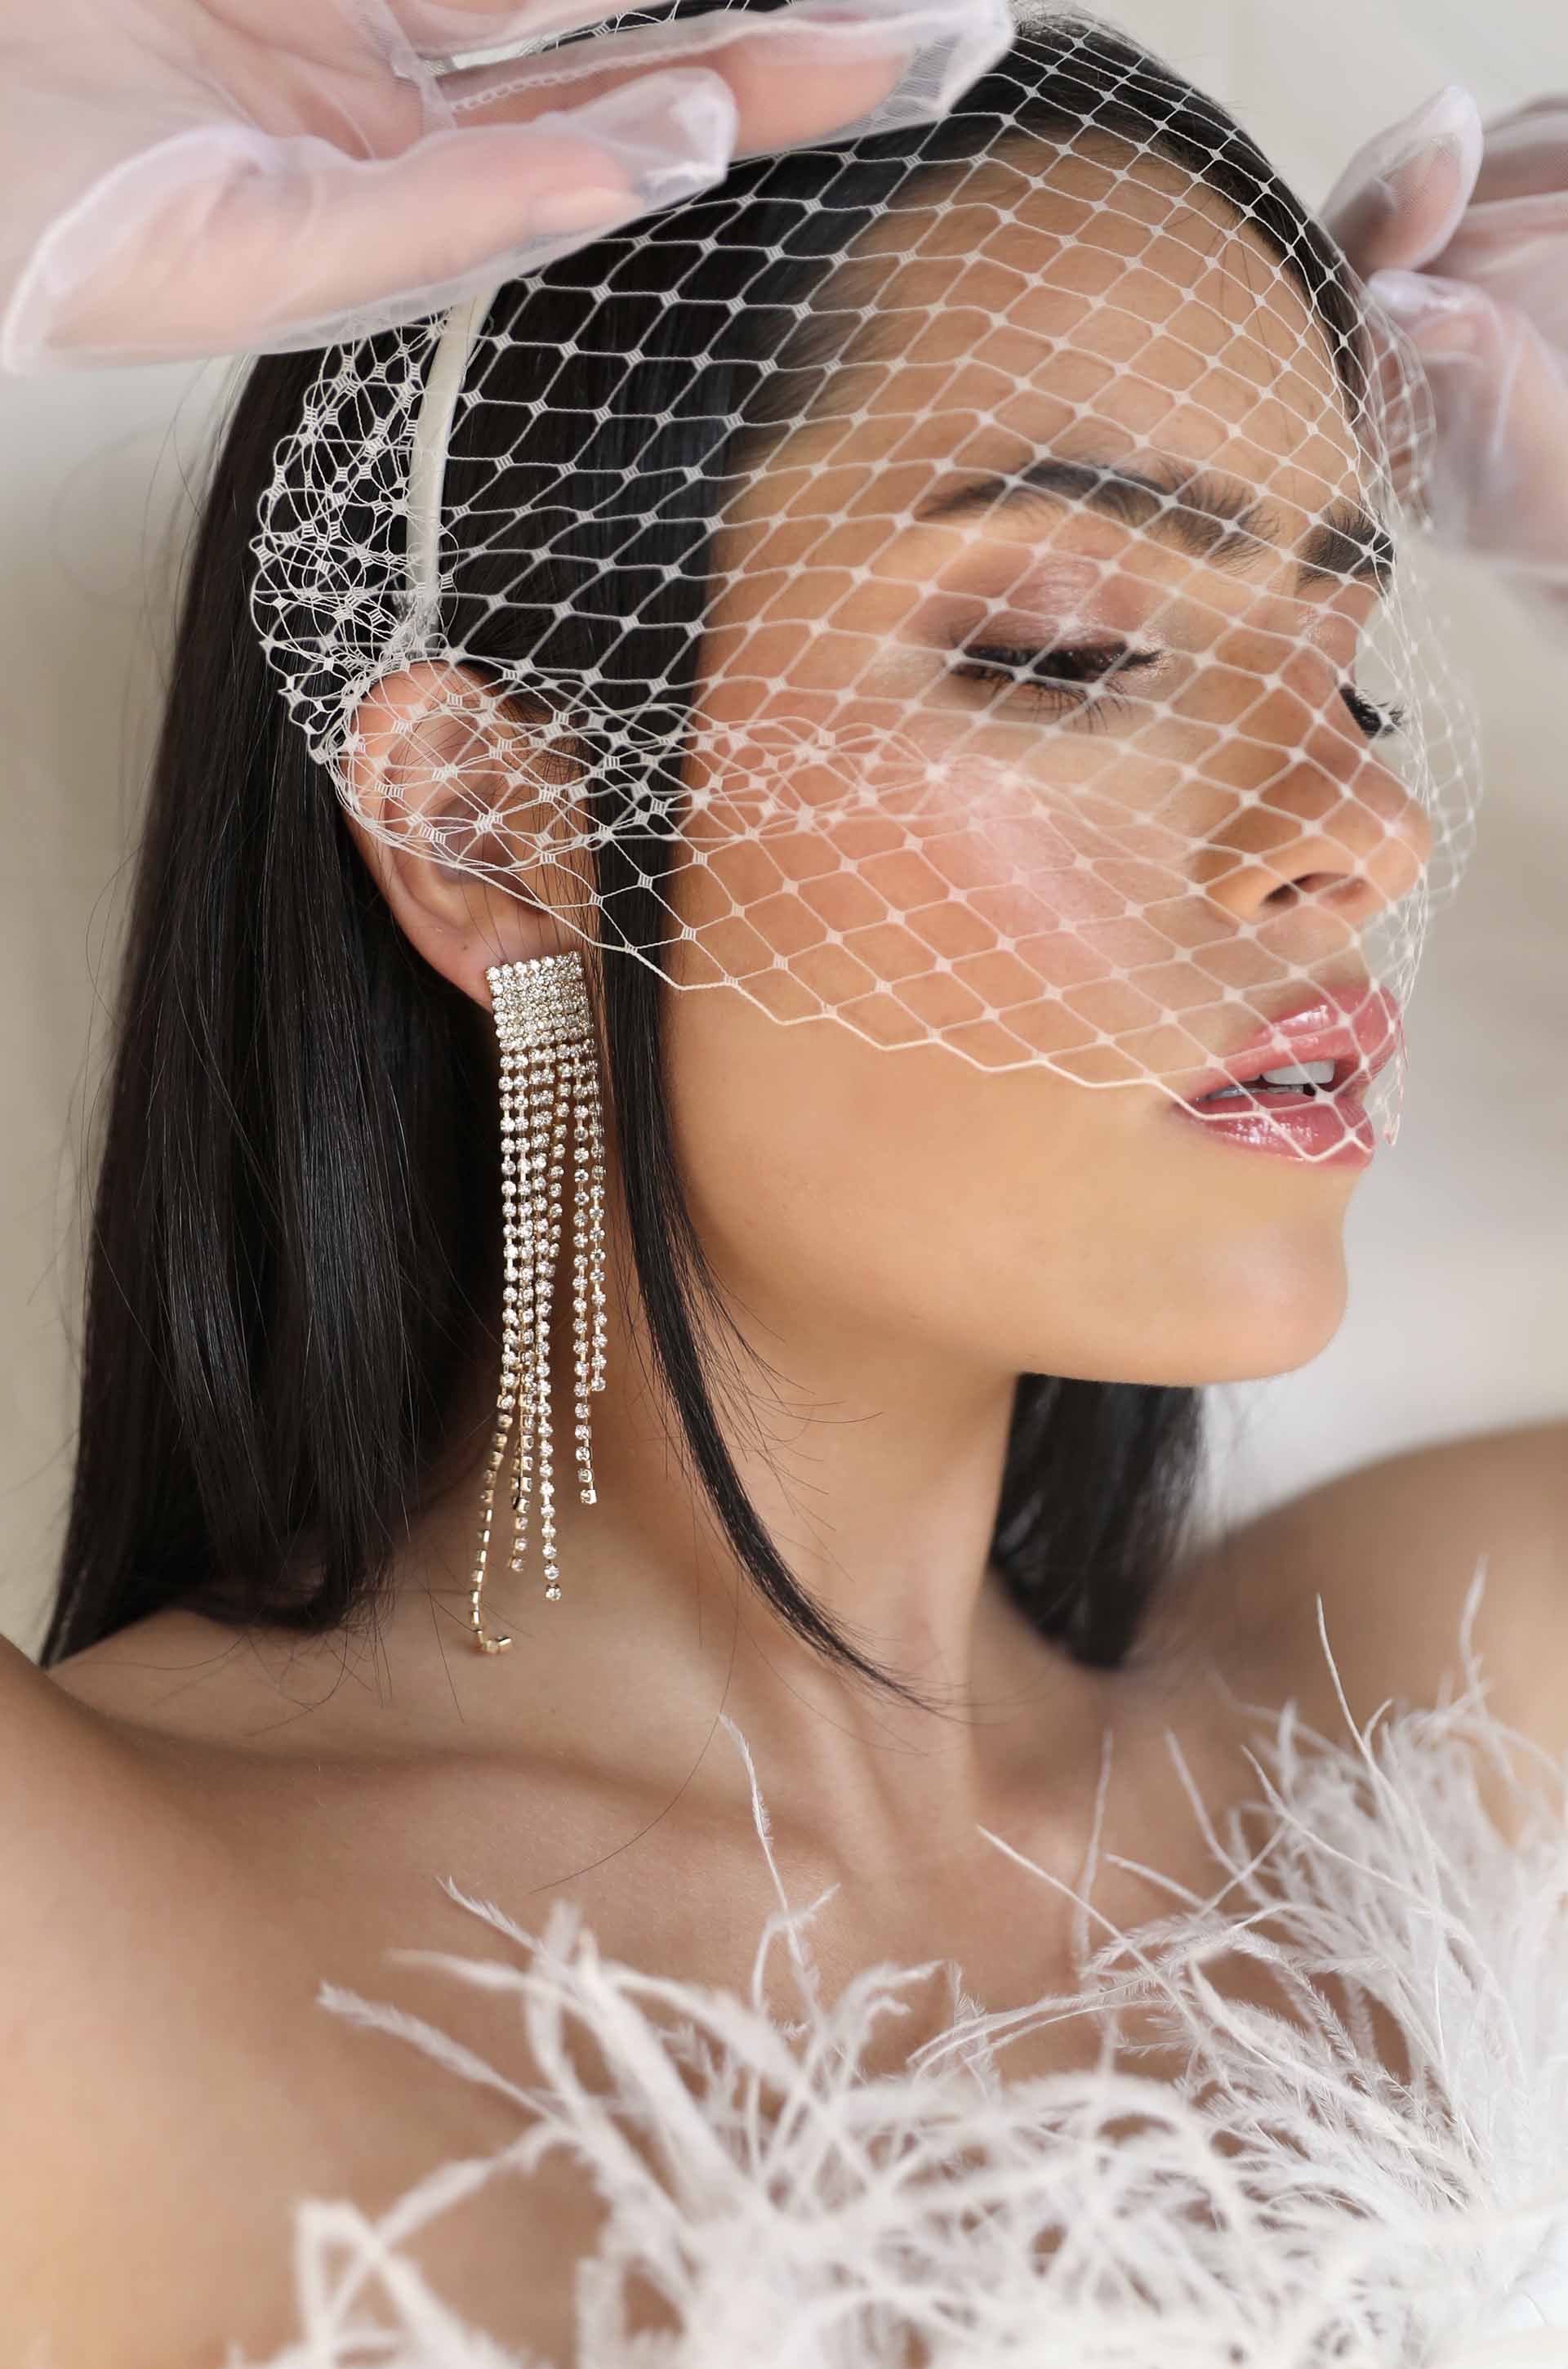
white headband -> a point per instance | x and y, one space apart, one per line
426 464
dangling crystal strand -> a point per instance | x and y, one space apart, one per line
538 1346
551 1231
506 1389
515 1317
595 1217
580 1369
532 1350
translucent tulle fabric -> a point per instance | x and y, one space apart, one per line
1461 230
187 177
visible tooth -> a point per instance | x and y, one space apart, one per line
1299 1073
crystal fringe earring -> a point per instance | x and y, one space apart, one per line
549 1078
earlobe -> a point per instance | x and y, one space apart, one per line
457 805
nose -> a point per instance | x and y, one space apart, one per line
1326 826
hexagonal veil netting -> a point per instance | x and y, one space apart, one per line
963 578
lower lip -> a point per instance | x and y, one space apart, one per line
1331 1131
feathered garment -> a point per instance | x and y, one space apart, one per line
1288 2204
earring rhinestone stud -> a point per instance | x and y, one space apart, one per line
550 1090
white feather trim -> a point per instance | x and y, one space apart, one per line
1287 2204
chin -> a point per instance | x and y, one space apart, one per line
1234 1319
1283 1313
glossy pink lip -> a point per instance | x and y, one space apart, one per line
1357 1028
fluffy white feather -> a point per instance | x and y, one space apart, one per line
1288 2203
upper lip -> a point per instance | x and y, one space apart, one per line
1356 1027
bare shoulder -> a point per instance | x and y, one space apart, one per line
69 1786
1391 1548
65 1782
56 1758
99 2032
174 1673
181 1897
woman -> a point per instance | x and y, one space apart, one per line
894 1464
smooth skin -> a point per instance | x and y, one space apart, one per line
206 1826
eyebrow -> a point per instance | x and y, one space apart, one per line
1213 517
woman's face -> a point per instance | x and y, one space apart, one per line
1081 899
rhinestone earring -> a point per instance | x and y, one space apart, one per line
549 1078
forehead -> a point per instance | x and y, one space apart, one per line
1091 299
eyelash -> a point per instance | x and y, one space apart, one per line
987 663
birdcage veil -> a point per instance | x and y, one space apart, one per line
965 580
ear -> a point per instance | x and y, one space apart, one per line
461 802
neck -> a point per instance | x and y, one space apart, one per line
877 1470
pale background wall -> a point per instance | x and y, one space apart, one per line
1458 1315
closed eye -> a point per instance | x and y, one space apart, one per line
1084 677
1080 677
1375 721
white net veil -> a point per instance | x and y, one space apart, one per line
963 579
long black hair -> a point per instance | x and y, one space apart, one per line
293 1275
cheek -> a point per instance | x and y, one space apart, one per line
859 1182
1000 914
1017 1224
